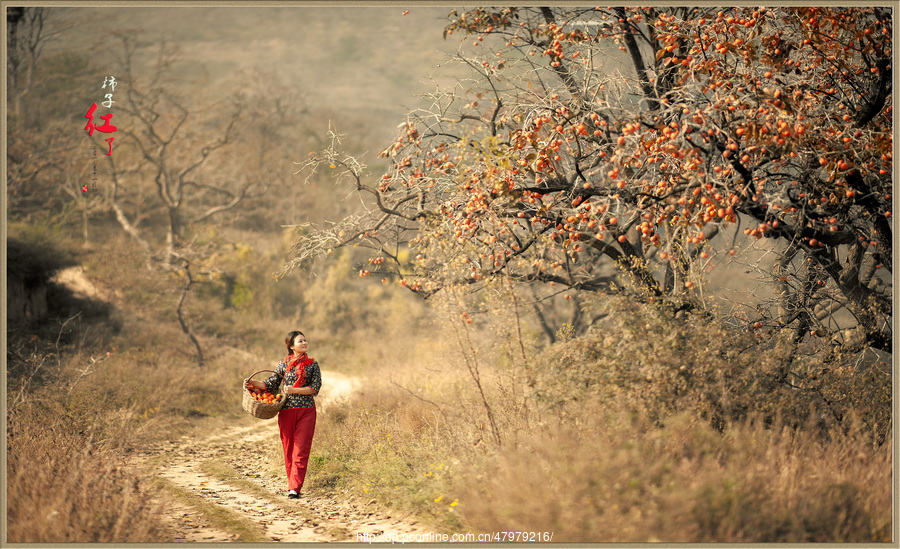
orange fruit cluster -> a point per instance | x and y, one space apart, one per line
264 396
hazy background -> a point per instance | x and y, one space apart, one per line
366 61
357 70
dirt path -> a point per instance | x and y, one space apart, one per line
231 469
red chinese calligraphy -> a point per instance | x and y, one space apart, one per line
106 127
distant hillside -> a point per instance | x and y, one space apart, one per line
367 61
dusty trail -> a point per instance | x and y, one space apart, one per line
206 468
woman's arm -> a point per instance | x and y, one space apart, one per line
272 381
255 384
315 379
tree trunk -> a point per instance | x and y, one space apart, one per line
171 236
184 327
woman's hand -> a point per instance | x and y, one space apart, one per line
255 384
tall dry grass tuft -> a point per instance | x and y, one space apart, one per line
67 475
77 418
393 446
620 479
659 365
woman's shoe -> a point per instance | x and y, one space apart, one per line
293 495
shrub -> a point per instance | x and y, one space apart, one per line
660 365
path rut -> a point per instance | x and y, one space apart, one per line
259 496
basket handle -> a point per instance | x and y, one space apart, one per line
259 372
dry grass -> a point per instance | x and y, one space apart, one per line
619 480
67 479
613 442
601 474
396 458
90 426
77 417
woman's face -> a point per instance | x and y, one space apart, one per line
299 346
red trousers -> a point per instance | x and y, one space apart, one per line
297 426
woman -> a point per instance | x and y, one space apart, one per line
297 418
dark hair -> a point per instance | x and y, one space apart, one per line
289 340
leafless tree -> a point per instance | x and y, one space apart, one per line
186 150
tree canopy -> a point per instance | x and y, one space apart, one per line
722 127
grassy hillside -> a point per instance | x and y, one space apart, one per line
642 430
93 383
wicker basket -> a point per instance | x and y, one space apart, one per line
255 408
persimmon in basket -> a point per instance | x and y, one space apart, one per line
264 396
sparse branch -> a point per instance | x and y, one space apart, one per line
123 220
179 309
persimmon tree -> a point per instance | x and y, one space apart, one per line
626 150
